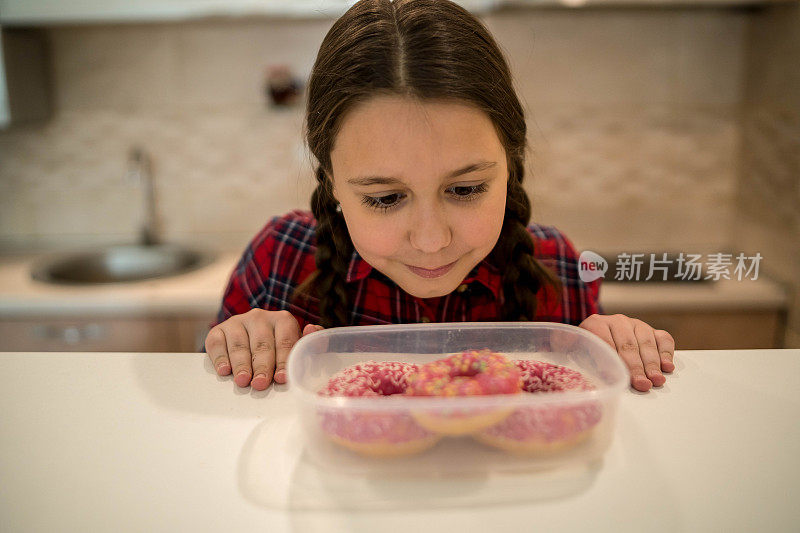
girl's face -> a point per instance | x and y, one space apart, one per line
422 187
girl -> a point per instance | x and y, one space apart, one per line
419 214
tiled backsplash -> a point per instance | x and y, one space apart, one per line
633 118
219 173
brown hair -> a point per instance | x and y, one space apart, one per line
424 49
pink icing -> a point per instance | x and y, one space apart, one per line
371 378
470 373
548 423
538 376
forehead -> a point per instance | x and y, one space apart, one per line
404 137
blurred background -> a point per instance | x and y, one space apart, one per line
175 127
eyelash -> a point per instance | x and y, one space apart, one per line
375 202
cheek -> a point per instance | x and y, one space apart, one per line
482 228
374 238
480 232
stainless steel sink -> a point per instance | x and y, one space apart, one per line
120 264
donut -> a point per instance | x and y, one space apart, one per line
373 432
545 428
470 373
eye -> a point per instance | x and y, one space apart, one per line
464 193
382 203
468 192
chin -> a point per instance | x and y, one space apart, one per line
431 292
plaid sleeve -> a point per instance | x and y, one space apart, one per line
582 299
275 261
247 279
578 300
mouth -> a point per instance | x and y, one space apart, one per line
431 272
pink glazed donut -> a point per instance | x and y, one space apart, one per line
374 433
548 428
470 373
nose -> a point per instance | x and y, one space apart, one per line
430 230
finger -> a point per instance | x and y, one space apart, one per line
238 344
666 349
604 332
311 328
262 351
628 349
287 333
217 351
648 350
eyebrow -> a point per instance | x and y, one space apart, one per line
383 180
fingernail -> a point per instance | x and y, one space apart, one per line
643 383
280 376
224 369
259 382
242 378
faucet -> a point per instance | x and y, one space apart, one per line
140 169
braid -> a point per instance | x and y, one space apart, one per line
334 249
523 275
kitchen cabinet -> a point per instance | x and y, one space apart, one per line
695 330
25 96
35 12
192 333
721 330
56 11
5 112
725 314
97 333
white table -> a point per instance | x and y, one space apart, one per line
156 442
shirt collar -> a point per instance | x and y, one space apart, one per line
484 273
358 269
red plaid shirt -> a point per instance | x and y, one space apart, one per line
281 256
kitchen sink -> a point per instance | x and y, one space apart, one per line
123 263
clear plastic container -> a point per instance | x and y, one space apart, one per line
539 430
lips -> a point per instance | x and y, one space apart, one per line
431 272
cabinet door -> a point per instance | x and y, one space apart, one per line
192 334
89 335
5 113
720 330
47 11
26 12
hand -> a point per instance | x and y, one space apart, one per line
255 343
647 352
